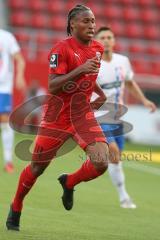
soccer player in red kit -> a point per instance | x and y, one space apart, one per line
74 65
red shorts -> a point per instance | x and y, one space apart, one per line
52 136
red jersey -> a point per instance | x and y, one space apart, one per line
65 57
69 114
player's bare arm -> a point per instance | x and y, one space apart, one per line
135 90
56 81
20 68
100 100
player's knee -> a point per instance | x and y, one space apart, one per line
101 164
101 168
38 169
99 155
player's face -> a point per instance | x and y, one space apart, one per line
83 26
106 38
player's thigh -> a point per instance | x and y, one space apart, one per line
45 149
88 132
120 140
114 142
114 152
90 137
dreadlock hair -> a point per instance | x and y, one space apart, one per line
72 13
101 29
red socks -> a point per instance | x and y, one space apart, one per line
86 173
26 181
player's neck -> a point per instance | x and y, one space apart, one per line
83 42
107 56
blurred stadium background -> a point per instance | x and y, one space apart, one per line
38 25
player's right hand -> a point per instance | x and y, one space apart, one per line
90 66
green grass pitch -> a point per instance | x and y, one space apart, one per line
96 214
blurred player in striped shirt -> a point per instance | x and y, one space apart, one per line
115 74
9 52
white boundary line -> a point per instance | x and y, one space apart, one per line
143 168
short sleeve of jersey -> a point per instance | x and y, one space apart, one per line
58 59
13 45
129 71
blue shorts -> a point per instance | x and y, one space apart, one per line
114 133
5 103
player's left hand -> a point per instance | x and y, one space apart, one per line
149 104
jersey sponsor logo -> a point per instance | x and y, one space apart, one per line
119 74
54 60
115 84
